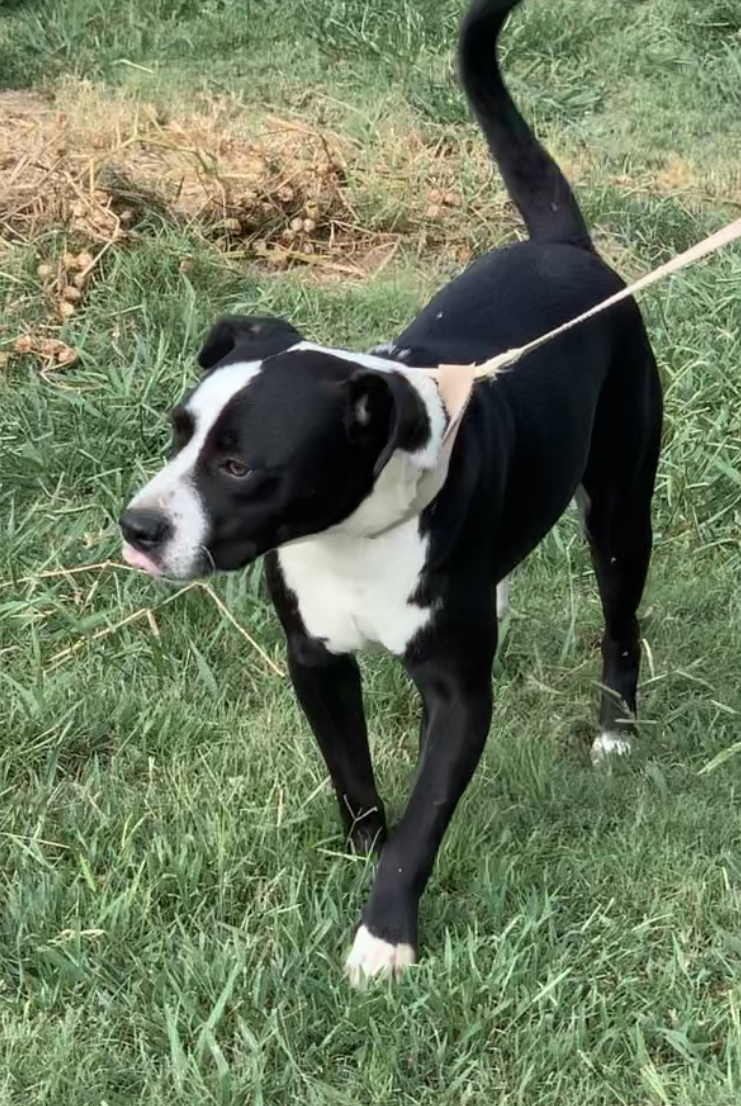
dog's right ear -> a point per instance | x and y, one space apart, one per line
256 337
384 407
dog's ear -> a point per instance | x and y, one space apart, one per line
257 337
383 406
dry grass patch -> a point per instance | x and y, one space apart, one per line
710 181
105 168
101 167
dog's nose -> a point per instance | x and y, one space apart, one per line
145 530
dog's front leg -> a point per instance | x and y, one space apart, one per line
330 693
458 705
329 689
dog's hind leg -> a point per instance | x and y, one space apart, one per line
620 544
617 520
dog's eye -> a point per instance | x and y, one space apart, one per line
233 467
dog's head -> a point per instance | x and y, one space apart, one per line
280 440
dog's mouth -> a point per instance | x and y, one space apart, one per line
161 571
138 559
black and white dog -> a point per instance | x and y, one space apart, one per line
316 457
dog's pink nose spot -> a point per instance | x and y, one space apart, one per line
137 559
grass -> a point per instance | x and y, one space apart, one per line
175 900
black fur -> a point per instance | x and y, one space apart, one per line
311 459
252 338
533 180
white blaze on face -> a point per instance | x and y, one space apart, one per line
172 491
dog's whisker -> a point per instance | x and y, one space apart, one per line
209 557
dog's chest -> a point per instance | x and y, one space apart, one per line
355 593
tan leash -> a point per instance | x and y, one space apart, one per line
455 382
708 245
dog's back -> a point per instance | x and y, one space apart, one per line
583 406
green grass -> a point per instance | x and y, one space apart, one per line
175 901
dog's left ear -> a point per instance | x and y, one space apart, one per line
384 406
257 337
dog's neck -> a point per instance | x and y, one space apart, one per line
414 488
409 482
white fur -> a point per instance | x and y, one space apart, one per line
502 597
354 592
171 490
364 360
391 500
607 745
370 956
391 349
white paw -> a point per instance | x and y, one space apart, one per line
502 598
607 745
371 956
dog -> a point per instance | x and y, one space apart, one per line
315 458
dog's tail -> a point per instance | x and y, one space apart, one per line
535 183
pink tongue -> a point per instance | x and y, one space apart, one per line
137 559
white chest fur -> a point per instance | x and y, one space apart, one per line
354 592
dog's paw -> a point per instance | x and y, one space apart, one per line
607 745
370 956
367 835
